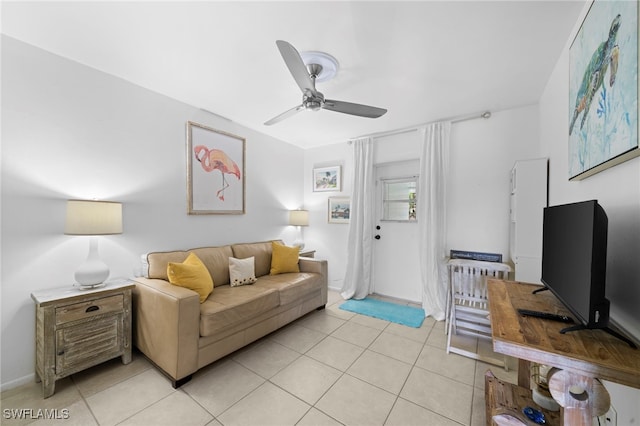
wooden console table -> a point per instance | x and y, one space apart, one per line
580 356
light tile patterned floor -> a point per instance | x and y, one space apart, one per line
330 367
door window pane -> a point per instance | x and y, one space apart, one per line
399 199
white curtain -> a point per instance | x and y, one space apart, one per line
431 215
358 276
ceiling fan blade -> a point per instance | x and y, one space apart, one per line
353 109
284 115
296 66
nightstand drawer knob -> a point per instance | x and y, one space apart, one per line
92 308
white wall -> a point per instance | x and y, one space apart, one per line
618 191
482 155
69 131
328 239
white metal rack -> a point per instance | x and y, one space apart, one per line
467 303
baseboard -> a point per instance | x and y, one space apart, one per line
29 378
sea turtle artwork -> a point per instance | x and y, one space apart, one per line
215 159
605 56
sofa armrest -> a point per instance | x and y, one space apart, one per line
318 266
167 325
309 264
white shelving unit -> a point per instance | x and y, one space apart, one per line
528 199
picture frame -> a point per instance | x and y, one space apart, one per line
327 179
339 209
215 171
603 89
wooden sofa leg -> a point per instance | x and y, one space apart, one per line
177 383
319 308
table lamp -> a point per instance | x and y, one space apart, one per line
299 218
92 218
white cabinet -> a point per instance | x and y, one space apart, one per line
528 199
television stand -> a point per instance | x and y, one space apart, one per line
606 329
580 358
583 327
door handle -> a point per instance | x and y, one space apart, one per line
377 237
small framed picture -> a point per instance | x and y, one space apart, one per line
339 209
327 178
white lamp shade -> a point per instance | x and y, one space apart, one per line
86 217
299 217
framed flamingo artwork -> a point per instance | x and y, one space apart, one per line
215 171
603 89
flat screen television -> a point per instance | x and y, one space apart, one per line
574 262
574 259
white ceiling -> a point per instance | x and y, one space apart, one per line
422 60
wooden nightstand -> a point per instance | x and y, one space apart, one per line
77 329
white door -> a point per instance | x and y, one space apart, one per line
396 268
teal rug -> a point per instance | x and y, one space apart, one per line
400 314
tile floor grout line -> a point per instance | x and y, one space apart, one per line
84 400
197 403
269 380
82 396
217 418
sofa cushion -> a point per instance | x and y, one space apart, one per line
260 251
242 271
228 306
283 259
216 259
191 274
293 286
158 262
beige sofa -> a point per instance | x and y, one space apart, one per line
181 335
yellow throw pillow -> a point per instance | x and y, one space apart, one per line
191 274
284 259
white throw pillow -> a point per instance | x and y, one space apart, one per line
242 271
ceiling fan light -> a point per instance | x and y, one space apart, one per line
328 63
314 105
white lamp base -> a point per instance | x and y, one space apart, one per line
93 271
299 242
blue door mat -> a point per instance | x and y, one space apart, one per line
400 314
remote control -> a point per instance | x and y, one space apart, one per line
545 315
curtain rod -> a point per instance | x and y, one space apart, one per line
458 119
